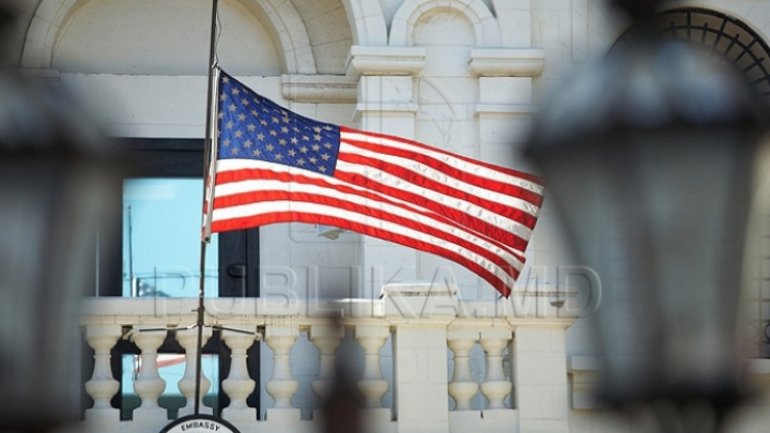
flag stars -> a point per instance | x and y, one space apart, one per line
294 140
276 120
285 130
270 147
301 162
236 91
303 149
247 143
251 127
325 156
257 152
316 147
229 124
261 136
245 101
282 141
241 117
234 150
226 142
292 153
317 137
278 157
263 122
322 169
232 107
273 132
238 134
313 159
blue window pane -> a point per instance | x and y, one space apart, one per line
161 239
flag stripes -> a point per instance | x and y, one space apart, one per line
275 166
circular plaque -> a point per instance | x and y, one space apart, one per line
199 424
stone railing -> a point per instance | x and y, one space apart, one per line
455 366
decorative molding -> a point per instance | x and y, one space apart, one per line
367 22
385 60
319 88
584 371
485 24
505 109
507 62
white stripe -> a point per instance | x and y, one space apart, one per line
255 209
443 178
267 185
384 178
460 164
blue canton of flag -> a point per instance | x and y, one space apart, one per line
252 126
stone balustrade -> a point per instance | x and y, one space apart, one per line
430 383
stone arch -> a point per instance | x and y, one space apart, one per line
367 22
280 19
485 25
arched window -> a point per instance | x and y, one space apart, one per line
727 35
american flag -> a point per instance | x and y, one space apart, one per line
276 166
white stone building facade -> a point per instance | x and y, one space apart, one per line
465 75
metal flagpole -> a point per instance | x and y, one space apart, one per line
207 146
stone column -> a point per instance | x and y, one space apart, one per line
326 339
282 385
421 379
386 104
238 384
102 386
372 385
462 388
188 339
495 387
148 384
540 374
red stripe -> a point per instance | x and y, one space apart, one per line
412 177
264 174
505 170
474 223
284 217
424 159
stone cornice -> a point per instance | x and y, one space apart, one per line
319 88
385 60
507 62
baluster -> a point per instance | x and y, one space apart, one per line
188 339
326 339
372 385
282 385
149 385
102 386
462 388
238 384
495 387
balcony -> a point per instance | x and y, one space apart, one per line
424 361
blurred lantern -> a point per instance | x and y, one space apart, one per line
648 157
55 181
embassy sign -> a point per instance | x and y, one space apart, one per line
199 424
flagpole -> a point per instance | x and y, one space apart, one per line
207 147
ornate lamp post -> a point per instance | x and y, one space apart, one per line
648 157
56 185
